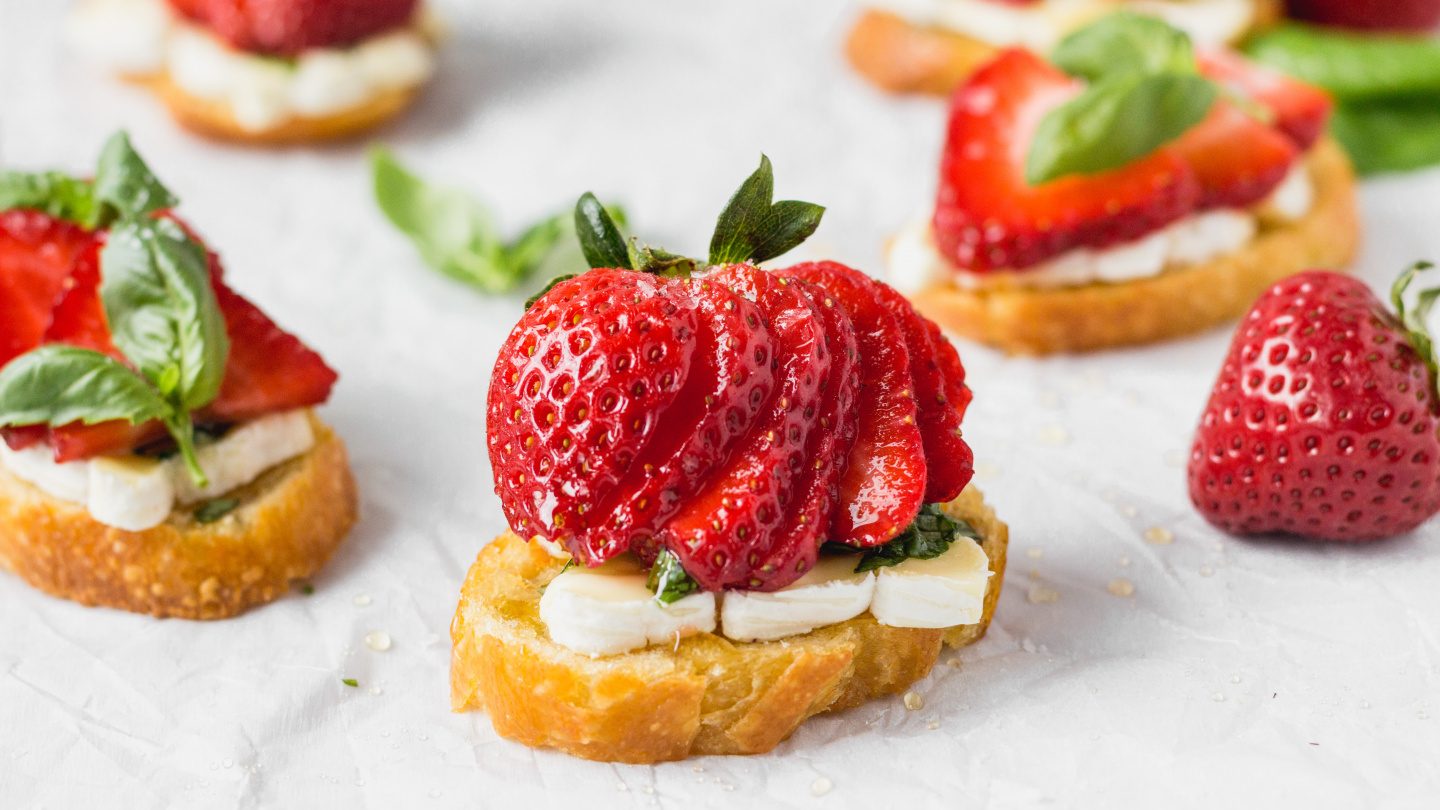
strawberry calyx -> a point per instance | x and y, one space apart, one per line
1415 320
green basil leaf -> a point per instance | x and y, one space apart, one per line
1389 136
155 285
58 385
124 185
928 536
600 238
1352 66
668 579
1115 122
212 511
1125 42
55 193
752 229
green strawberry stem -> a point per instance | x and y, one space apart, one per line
753 228
1415 320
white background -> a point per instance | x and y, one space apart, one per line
1257 673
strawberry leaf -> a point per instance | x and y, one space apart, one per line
600 237
752 228
1416 320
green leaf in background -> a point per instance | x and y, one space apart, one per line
600 238
1124 42
1389 136
162 310
1352 66
1115 122
669 580
55 193
753 229
59 385
457 235
124 184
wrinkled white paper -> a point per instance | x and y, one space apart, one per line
1238 673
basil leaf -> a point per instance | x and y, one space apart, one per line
668 579
1116 121
1389 136
59 385
212 511
752 229
1124 42
928 536
124 185
600 237
1352 66
55 193
155 285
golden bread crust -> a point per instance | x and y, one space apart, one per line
288 523
902 57
215 120
1178 302
706 695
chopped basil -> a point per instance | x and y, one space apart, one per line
211 511
668 579
351 682
930 535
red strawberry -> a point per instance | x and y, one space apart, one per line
1301 110
722 531
288 27
817 487
988 217
1323 422
1237 160
36 253
1392 15
268 370
941 396
578 446
885 476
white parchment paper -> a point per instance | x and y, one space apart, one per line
1238 673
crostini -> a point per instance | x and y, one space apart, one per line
160 451
737 498
931 46
265 71
1145 194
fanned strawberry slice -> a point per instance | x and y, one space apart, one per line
722 530
817 489
988 217
1237 159
941 396
1301 110
36 254
268 370
884 483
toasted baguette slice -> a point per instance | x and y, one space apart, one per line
1181 301
288 523
900 56
705 695
214 119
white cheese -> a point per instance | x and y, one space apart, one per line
135 493
36 464
130 492
395 60
242 454
830 592
609 610
1294 197
123 35
326 82
946 591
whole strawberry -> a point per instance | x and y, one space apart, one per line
1323 423
288 27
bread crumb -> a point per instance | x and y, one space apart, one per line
378 640
1124 562
1041 595
362 600
913 701
1035 553
1206 571
1159 536
821 786
1121 587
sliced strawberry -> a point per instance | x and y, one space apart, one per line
289 27
988 217
36 254
721 531
941 396
884 483
1237 159
1301 110
816 490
